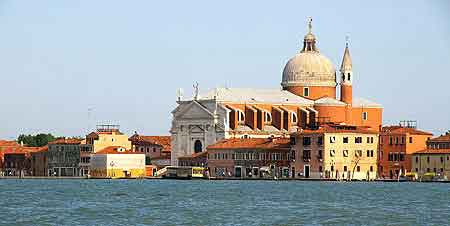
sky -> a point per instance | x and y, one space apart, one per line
66 66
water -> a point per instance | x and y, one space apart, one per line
172 202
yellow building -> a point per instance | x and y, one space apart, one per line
117 162
106 136
335 152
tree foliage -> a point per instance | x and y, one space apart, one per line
38 140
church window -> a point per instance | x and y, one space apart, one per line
241 116
306 91
364 116
267 117
294 117
198 147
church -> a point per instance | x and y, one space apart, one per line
307 98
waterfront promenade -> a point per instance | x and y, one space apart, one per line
201 202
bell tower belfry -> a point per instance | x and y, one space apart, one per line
346 76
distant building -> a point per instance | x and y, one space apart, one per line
249 158
306 99
64 157
104 136
434 160
156 148
17 160
39 162
117 162
397 144
335 152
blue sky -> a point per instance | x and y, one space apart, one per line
126 59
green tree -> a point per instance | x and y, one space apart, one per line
38 140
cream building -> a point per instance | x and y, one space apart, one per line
434 161
105 136
117 162
335 152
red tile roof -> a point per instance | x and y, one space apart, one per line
252 143
434 151
66 141
163 141
115 150
398 130
4 143
442 138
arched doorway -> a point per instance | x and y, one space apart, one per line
198 147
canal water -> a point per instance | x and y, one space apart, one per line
201 202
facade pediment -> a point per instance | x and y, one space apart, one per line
193 110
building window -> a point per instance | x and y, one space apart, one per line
417 170
306 141
442 170
332 140
332 153
364 116
267 117
241 116
320 140
345 140
368 153
154 149
371 168
306 91
358 140
294 118
402 156
332 168
345 168
428 159
358 168
417 159
345 153
358 153
371 153
410 140
198 147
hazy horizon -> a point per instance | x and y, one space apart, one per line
125 61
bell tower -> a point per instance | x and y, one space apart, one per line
346 77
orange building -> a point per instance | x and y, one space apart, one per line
308 98
395 149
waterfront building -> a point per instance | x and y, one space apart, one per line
249 158
434 160
64 157
197 159
335 152
117 162
104 136
39 162
156 148
307 98
17 161
396 146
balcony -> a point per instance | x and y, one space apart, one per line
306 159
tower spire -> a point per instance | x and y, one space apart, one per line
346 65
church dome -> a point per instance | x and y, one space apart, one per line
309 67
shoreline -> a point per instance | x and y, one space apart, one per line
216 179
